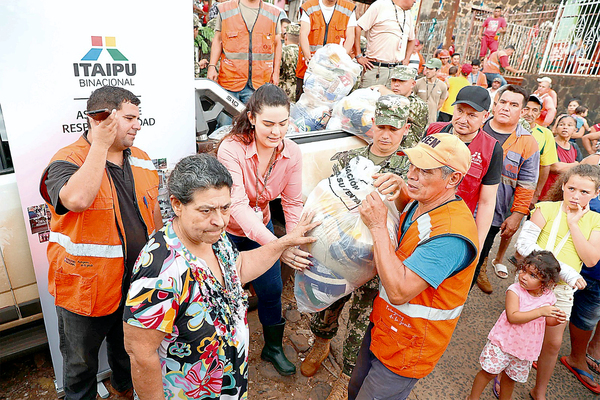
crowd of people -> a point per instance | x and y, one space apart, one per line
460 162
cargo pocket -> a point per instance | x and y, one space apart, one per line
93 232
395 347
76 293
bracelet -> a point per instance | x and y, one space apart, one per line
212 65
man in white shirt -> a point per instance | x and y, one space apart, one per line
390 40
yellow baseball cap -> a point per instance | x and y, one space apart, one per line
438 150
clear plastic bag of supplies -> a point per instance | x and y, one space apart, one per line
343 253
330 76
355 112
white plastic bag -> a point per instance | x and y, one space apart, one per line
330 76
355 112
343 252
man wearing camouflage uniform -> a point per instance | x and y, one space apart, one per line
389 127
289 60
403 81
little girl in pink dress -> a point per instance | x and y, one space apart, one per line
516 339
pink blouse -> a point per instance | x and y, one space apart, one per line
523 341
285 180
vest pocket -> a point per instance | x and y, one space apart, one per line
92 231
395 346
76 293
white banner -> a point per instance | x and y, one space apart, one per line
53 55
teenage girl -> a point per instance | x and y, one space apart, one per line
516 339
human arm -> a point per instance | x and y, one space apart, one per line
587 249
483 26
527 178
82 188
443 97
502 25
252 264
527 242
485 211
550 106
560 167
232 155
276 60
543 177
587 141
363 60
388 184
349 42
304 45
410 46
401 284
514 316
141 344
216 49
291 203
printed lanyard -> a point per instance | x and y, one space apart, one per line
397 20
270 169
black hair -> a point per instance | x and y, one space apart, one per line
282 20
475 62
268 95
453 70
197 172
456 54
111 97
509 47
547 267
515 89
581 109
498 8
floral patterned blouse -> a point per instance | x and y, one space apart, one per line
204 354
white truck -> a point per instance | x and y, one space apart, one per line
21 323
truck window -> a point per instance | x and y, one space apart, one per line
6 165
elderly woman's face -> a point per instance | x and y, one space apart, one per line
204 218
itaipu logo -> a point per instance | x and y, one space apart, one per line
93 73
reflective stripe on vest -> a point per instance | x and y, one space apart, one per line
424 227
244 56
420 311
86 249
343 10
141 163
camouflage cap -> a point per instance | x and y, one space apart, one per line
433 63
404 73
293 29
392 110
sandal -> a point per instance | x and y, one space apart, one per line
500 269
593 364
579 373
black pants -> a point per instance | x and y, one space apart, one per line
299 87
485 251
80 341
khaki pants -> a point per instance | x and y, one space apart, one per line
377 76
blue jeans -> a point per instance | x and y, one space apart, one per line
372 380
490 76
243 96
586 305
268 286
80 340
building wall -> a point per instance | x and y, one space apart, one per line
431 8
568 87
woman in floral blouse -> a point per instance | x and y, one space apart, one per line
186 330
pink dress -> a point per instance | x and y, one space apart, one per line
523 341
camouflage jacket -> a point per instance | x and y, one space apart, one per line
287 74
394 163
418 121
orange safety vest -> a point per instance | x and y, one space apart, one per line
410 338
492 64
86 250
248 54
321 32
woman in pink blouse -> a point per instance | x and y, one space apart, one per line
265 165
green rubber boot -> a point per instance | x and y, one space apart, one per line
273 350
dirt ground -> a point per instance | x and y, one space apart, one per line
32 376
